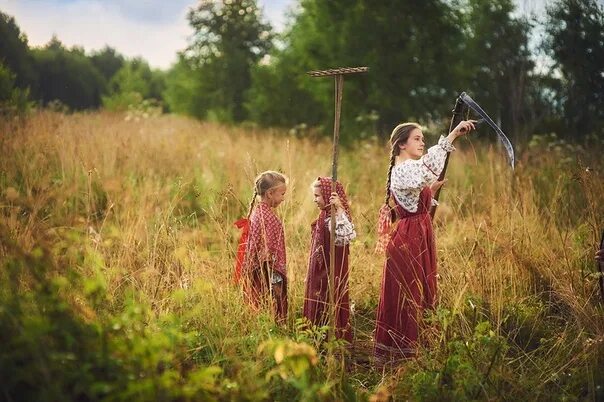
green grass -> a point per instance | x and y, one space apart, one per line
117 248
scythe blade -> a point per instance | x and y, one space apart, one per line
502 137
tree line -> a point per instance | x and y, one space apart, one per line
70 78
533 75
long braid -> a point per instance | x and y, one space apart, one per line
392 160
252 202
257 183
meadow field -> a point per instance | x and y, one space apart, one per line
117 248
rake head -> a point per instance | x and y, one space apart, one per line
338 71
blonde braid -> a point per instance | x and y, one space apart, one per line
252 202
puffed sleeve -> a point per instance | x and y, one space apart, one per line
345 232
416 174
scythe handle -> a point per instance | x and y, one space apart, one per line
455 119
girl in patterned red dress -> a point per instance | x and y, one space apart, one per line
316 296
409 278
261 259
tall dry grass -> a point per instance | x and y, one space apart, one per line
147 207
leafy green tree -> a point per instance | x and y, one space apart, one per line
132 83
230 38
413 54
497 64
68 76
282 96
12 98
576 44
108 61
183 93
412 49
136 76
421 55
14 52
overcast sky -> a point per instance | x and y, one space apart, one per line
153 29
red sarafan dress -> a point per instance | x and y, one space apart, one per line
264 260
409 277
316 295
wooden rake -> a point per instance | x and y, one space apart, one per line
338 74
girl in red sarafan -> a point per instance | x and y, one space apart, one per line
261 258
409 278
316 296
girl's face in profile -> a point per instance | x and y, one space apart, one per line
414 146
276 195
318 197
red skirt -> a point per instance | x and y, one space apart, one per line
257 290
408 283
316 295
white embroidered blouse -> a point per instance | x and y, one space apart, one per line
410 177
345 232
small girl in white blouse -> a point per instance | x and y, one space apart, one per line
409 278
